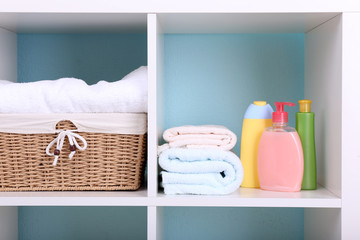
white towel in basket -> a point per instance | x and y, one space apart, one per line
71 95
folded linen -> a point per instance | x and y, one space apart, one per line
200 171
203 136
71 95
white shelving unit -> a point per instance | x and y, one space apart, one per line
332 37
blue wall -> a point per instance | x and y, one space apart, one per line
212 79
91 57
209 79
192 223
82 223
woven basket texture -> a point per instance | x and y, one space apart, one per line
110 162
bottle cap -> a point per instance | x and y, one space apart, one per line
305 105
280 116
259 110
260 103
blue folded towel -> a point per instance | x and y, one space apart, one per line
200 171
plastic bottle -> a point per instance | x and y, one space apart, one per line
305 128
280 156
257 117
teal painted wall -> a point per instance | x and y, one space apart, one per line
194 223
212 79
91 57
82 223
209 79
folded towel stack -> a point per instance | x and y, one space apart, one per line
198 160
71 95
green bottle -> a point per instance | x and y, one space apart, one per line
305 127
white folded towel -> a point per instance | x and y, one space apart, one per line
203 136
71 95
200 171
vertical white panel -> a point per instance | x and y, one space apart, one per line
350 127
323 49
8 55
151 223
322 224
155 102
8 223
155 223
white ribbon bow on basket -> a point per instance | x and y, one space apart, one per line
60 142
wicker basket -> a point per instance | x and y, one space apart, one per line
110 162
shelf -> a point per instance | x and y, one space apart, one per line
171 23
226 6
116 198
243 197
250 197
324 71
242 22
73 22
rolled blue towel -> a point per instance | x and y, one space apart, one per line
200 171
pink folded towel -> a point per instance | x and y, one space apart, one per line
203 136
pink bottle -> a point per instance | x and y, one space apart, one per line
280 155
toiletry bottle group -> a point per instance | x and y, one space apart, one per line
280 154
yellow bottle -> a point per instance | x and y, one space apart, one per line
258 116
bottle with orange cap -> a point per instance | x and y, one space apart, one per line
306 130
